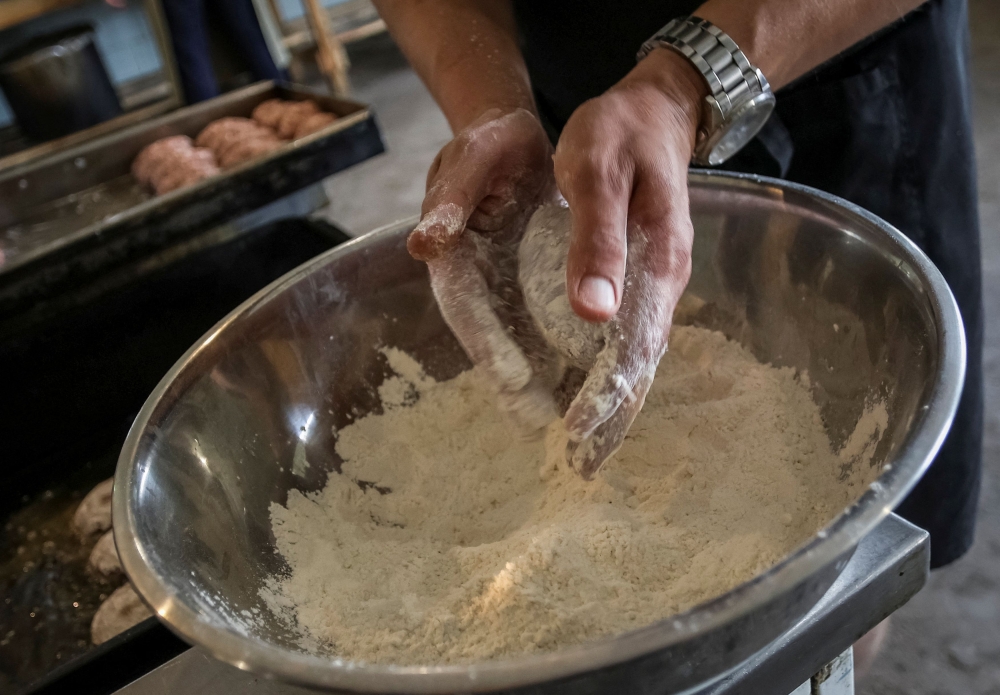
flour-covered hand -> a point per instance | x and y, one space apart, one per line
621 163
481 190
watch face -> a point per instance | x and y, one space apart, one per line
745 122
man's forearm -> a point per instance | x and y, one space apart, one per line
465 51
788 38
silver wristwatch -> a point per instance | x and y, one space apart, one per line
740 101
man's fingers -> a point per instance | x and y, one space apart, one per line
459 181
450 200
598 192
658 269
438 232
611 382
464 299
588 456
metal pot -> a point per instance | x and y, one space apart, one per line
56 84
799 277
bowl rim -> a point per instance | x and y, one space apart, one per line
829 545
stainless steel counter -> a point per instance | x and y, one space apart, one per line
888 568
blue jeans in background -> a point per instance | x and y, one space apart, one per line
189 35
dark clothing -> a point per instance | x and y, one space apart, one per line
189 35
577 49
886 125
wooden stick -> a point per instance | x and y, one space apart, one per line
330 53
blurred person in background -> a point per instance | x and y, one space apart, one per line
189 33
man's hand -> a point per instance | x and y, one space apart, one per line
481 190
621 164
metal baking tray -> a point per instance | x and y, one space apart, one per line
79 208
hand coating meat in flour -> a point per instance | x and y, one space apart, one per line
618 357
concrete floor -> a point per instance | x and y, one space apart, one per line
946 641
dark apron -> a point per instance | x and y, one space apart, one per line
886 125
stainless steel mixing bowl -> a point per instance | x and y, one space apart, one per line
799 277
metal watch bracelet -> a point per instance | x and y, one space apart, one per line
732 80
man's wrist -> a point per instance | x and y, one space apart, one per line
466 92
672 76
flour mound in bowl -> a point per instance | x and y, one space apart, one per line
467 543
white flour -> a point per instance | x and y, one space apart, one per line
487 545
